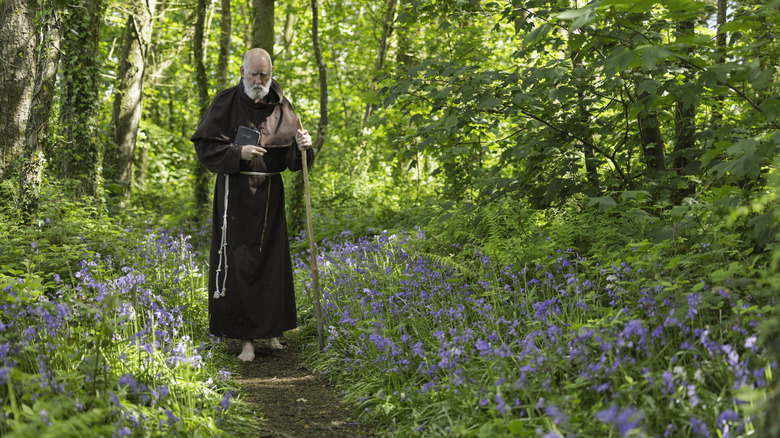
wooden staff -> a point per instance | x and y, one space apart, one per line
315 276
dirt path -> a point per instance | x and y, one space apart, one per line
293 400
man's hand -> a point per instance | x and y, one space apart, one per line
303 139
249 152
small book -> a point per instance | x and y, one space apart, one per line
247 136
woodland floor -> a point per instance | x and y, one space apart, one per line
292 400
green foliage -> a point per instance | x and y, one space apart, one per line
82 156
556 113
103 330
452 342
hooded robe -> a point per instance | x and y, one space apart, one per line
250 254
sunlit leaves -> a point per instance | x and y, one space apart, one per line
652 54
578 17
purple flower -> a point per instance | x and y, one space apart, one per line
129 380
699 427
668 380
501 404
172 418
624 420
224 404
558 416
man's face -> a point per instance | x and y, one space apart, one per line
256 76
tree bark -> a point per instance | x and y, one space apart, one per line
80 157
128 99
720 56
381 56
297 210
225 26
684 121
584 119
263 26
288 34
202 177
379 64
17 74
34 150
653 144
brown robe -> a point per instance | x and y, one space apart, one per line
259 297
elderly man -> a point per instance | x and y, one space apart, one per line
251 294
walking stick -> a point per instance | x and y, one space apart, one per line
315 276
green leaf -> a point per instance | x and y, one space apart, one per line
578 17
489 103
604 202
515 427
634 194
620 58
689 6
771 109
720 146
648 86
538 32
627 5
652 54
749 395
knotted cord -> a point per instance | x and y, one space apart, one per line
223 245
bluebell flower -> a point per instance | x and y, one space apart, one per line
699 427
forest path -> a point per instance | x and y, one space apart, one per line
293 400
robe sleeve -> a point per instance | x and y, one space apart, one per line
295 159
213 141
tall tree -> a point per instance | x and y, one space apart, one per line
288 32
685 111
33 155
381 53
128 98
263 25
379 64
297 212
225 27
202 176
80 157
17 72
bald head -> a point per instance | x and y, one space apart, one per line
256 73
256 55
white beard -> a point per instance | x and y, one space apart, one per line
257 92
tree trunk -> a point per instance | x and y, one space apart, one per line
584 119
34 155
720 56
202 177
379 64
298 212
684 121
80 157
17 72
263 26
225 26
128 99
653 144
381 56
288 34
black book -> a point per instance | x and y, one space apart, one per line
247 136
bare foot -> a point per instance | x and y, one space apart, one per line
247 350
274 344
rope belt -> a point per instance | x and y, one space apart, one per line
223 245
258 173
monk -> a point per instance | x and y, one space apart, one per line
251 292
